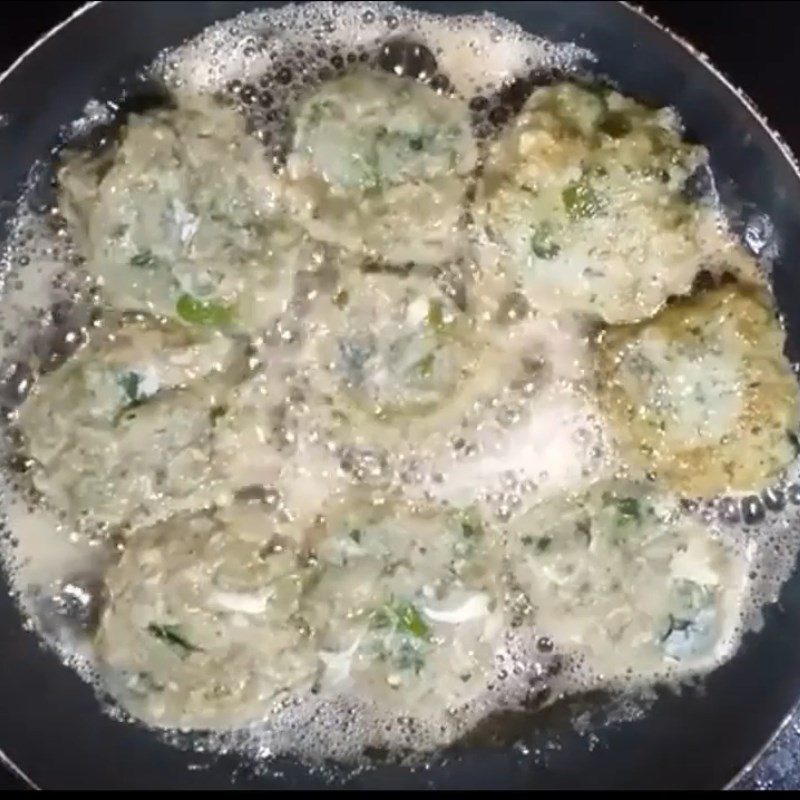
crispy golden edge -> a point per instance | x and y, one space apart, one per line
753 455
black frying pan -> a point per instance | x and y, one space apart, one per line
51 725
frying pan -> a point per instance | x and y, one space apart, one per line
51 726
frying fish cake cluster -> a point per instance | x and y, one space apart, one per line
309 439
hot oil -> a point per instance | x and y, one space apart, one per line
263 62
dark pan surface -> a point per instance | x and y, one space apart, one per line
52 726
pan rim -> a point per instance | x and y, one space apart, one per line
740 95
45 37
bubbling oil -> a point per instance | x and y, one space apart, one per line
263 62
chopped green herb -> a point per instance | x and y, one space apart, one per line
425 365
436 315
203 312
543 244
146 682
581 201
410 656
171 636
217 412
628 509
674 624
584 528
341 298
408 635
543 544
411 621
464 548
403 618
471 523
129 382
144 259
319 111
393 566
355 535
690 626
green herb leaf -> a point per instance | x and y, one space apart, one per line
171 636
436 315
129 382
543 244
410 656
144 259
471 523
674 624
412 622
203 312
216 413
402 617
581 201
425 365
584 529
341 298
147 683
628 509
